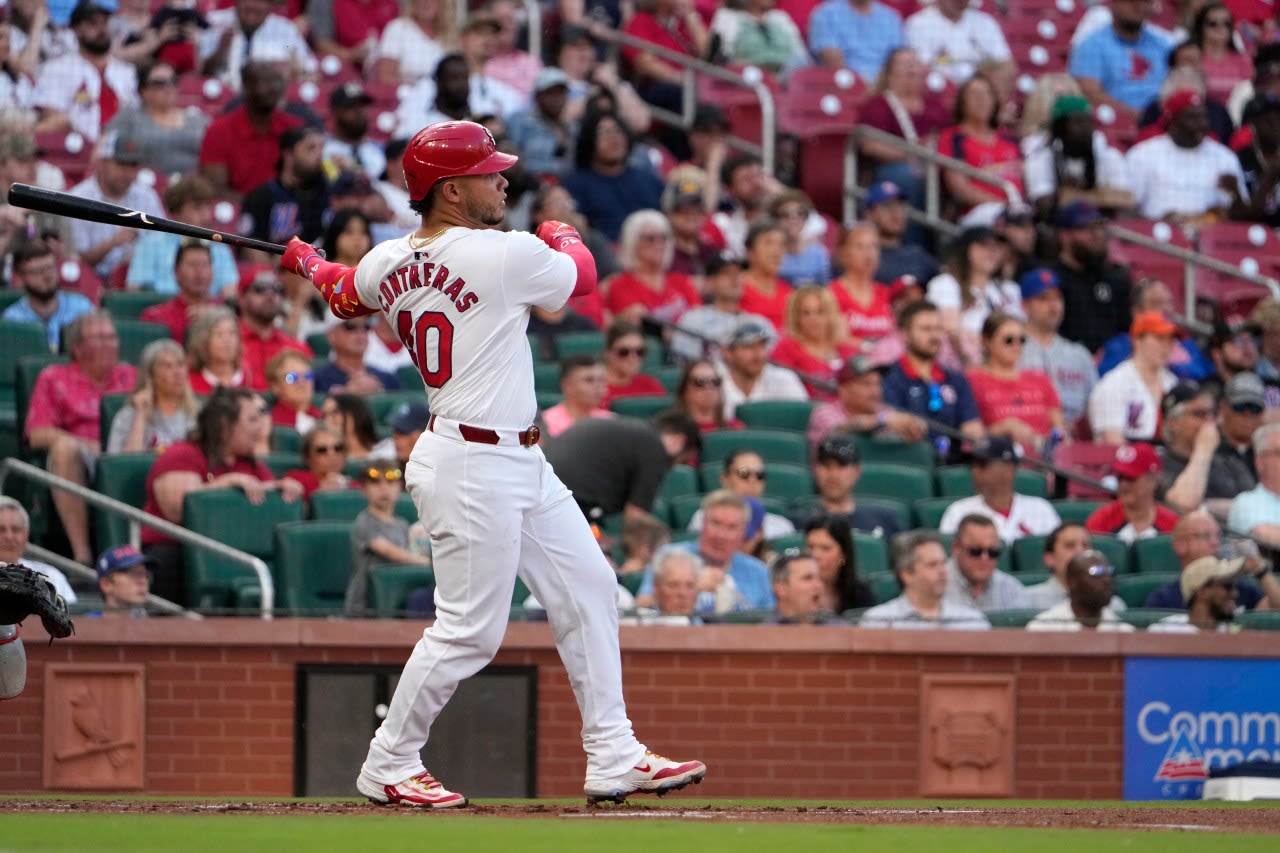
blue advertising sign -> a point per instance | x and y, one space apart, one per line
1183 716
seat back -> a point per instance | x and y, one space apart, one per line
643 406
776 414
312 566
226 515
135 335
1087 459
896 482
679 480
108 408
342 505
122 476
574 342
773 445
1154 555
1134 589
917 453
129 304
1012 618
391 585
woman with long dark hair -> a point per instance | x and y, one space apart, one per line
829 538
976 139
350 415
700 395
970 288
1214 31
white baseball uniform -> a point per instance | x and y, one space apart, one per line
461 304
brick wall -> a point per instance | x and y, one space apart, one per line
774 711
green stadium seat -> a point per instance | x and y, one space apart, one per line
410 378
655 354
8 296
319 343
1012 618
385 405
1259 620
108 408
286 440
631 581
681 510
391 585
1117 552
853 614
225 515
787 482
643 406
917 453
897 482
338 506
135 335
1134 589
312 567
405 509
1075 510
1144 617
122 476
546 377
782 543
129 304
680 480
957 481
547 399
17 341
519 594
281 463
773 445
930 510
871 553
1028 554
660 510
1154 555
884 585
1033 578
776 414
668 376
572 342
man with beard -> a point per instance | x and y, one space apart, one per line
1122 65
1260 161
348 142
83 91
114 180
1076 164
748 187
1183 175
605 186
1209 586
37 272
1095 292
916 383
543 134
261 303
1233 350
250 31
1090 582
446 96
1068 365
241 147
295 200
885 207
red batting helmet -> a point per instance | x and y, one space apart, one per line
448 150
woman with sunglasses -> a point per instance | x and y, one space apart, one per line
215 352
162 409
829 538
1012 401
744 474
1223 64
699 396
168 135
646 286
624 352
324 456
807 260
292 383
813 341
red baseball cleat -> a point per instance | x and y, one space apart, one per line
655 774
422 791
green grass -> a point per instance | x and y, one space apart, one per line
442 833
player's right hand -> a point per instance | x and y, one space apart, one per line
557 234
301 258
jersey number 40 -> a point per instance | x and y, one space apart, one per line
431 353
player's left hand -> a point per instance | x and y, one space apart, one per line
301 258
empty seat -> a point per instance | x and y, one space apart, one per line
773 445
776 414
390 587
122 476
896 482
338 506
312 566
135 335
1154 555
1134 589
225 515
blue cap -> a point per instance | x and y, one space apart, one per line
757 516
410 418
881 192
1037 281
1078 214
121 558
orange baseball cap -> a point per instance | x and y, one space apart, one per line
1153 323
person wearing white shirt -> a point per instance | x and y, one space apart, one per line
114 180
1060 546
970 288
83 90
1125 404
250 31
1183 174
1076 162
921 566
993 464
15 528
1090 580
451 93
748 376
1209 587
953 38
973 578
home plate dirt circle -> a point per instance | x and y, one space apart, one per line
1160 818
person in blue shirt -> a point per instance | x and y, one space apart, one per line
917 384
855 34
1122 65
1188 361
37 269
730 580
605 187
152 266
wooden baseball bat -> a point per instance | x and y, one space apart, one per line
75 207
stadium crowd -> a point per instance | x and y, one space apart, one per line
770 414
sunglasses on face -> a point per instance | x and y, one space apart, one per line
1247 409
750 474
293 377
992 553
373 475
706 382
267 287
1010 340
629 352
355 327
326 449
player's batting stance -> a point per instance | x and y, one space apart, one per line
459 293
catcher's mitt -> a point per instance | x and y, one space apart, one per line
24 592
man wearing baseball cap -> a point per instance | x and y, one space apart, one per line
124 579
1208 586
1068 365
1134 514
1077 163
348 141
1210 181
261 301
993 463
885 207
711 325
747 373
1095 291
836 469
1125 404
542 132
859 407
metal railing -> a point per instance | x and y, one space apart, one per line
691 67
137 518
81 572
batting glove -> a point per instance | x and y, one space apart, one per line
301 258
558 235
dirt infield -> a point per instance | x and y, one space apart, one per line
1118 816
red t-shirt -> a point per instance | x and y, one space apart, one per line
201 385
248 154
643 25
1000 157
933 118
639 386
1027 398
185 456
175 314
282 415
866 322
789 353
257 352
677 296
356 20
772 308
1110 519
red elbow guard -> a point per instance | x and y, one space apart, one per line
586 265
337 284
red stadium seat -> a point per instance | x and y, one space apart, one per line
1252 247
1087 459
69 151
76 276
1038 44
206 94
1148 263
740 104
1120 129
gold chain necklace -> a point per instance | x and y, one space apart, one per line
426 240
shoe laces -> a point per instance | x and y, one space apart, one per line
425 781
649 753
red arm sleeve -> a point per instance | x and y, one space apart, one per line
337 284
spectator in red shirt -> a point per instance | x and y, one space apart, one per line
699 396
763 292
675 26
193 270
261 303
646 286
813 341
324 455
624 351
64 417
860 298
240 148
215 353
1022 404
219 455
1134 514
974 138
292 383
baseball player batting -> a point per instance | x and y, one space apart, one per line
459 292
